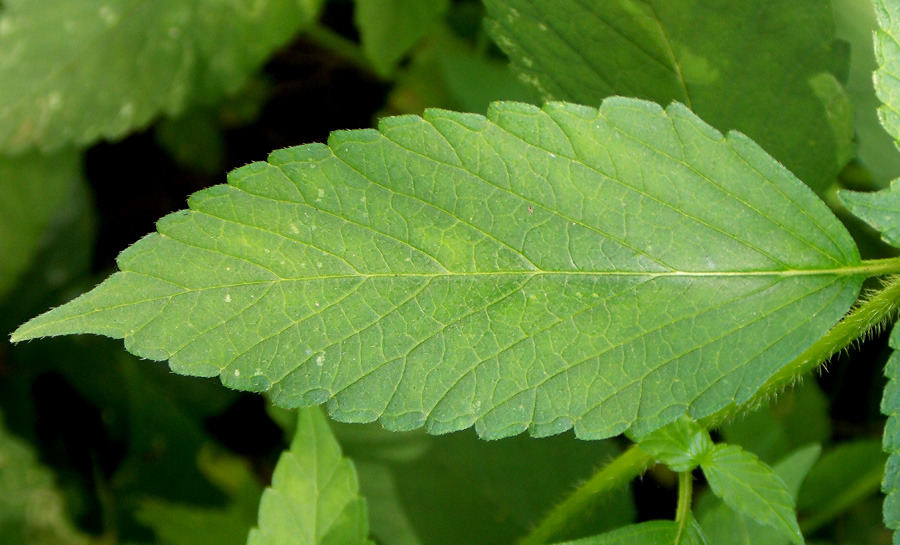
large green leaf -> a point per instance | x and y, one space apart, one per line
79 70
32 188
538 269
750 487
767 69
314 498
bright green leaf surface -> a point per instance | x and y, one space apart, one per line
880 209
725 526
681 445
890 406
32 187
656 532
388 29
539 269
31 508
74 71
746 65
887 55
314 498
752 488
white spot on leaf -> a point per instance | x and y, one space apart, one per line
127 110
320 360
227 297
109 15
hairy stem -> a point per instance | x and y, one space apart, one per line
614 475
685 497
871 313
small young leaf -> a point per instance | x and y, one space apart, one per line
725 526
654 532
539 269
74 71
388 29
750 66
681 445
752 488
880 209
314 498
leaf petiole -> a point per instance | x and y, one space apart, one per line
685 497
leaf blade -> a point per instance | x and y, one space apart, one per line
77 71
391 244
314 497
697 53
750 487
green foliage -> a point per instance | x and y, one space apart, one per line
390 28
616 260
726 526
33 188
722 59
682 445
314 498
750 487
657 532
31 508
75 71
499 283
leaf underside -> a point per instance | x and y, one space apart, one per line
654 532
748 66
539 269
74 71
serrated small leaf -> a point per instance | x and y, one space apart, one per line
654 532
880 209
539 269
681 445
314 498
751 487
388 29
748 66
75 71
725 526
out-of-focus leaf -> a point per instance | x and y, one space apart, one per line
798 417
655 532
768 69
855 23
32 188
74 71
31 508
500 488
390 28
314 498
